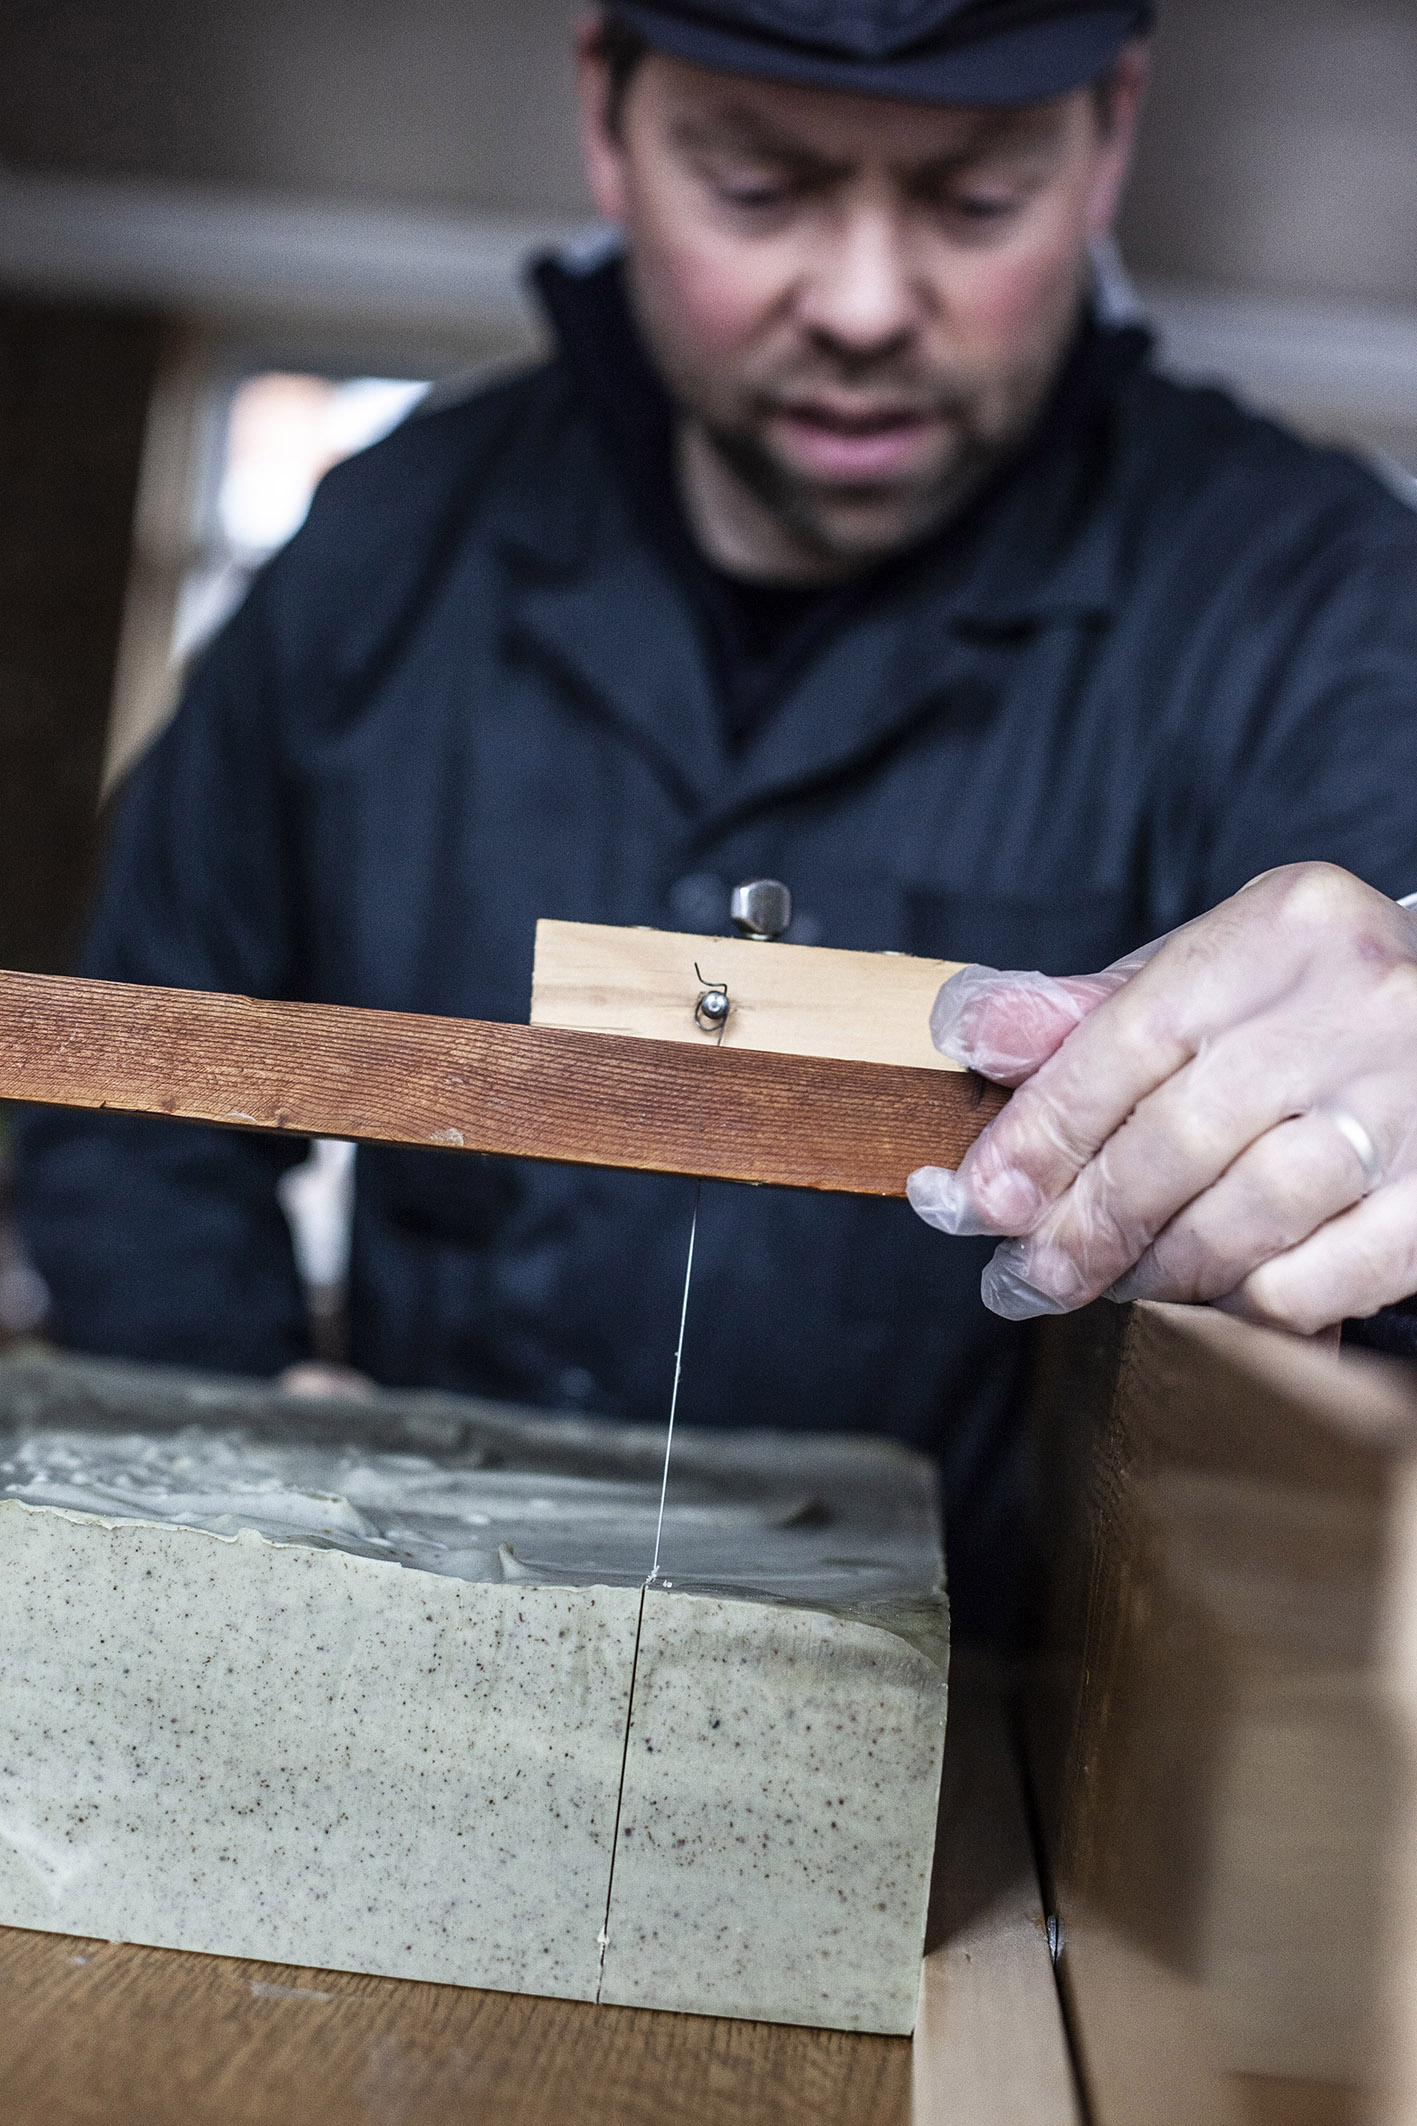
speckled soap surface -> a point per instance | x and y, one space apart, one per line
350 1685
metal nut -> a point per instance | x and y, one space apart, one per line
761 908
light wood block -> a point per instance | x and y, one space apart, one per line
789 1000
991 2048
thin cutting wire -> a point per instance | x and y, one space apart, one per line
710 988
674 1396
603 1938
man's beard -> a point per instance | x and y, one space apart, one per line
851 527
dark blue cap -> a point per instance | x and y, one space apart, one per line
925 51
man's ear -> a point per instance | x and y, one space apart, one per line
602 152
1126 96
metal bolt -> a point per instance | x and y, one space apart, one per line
1055 1936
761 908
712 1009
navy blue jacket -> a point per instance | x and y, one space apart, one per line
1172 646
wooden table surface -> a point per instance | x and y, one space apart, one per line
111 2032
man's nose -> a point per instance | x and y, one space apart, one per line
863 295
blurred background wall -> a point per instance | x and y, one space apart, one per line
1280 153
1279 157
455 103
236 240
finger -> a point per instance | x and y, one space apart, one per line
1006 1290
1178 1144
1287 944
936 1195
1355 1265
1294 1180
1151 1028
1304 1289
1006 1025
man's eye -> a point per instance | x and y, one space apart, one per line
757 195
983 206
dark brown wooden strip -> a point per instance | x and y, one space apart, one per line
529 1092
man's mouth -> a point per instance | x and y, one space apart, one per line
851 443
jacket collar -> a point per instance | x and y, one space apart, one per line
592 599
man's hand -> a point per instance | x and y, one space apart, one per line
1230 1115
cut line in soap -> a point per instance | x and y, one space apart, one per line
603 1938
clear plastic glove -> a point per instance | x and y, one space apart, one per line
1229 1115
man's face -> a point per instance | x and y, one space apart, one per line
859 304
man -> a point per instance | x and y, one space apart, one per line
843 541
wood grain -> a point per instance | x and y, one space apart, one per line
990 2045
525 1092
95 2031
787 1000
1230 1803
127 2036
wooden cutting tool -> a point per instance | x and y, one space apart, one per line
820 1075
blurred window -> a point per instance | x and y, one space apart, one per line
235 450
277 435
234 457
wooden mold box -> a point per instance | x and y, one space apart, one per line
1223 1732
